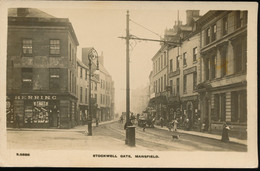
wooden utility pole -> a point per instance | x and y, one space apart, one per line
127 71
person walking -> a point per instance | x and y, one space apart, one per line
144 126
175 122
225 136
97 120
161 121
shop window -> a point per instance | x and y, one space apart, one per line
225 26
27 75
9 112
195 52
185 59
54 81
238 106
27 46
185 84
223 107
54 47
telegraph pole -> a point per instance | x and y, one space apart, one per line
127 71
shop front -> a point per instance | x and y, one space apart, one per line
40 111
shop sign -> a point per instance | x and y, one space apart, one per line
33 97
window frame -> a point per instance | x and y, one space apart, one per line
29 54
54 82
58 49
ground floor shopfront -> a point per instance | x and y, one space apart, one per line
224 104
41 111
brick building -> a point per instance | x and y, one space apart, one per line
41 70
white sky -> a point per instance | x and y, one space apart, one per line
100 28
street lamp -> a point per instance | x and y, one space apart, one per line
91 57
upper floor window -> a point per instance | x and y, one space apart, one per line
185 84
55 47
171 65
81 70
86 74
214 32
178 62
165 58
54 78
195 52
70 53
86 95
27 76
207 36
171 85
27 46
161 61
225 26
238 18
194 80
159 64
177 85
81 94
185 59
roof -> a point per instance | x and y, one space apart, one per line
32 12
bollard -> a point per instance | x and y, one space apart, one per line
130 135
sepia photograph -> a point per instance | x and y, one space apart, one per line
128 84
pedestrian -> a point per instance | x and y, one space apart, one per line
144 125
17 120
97 120
161 121
175 122
225 136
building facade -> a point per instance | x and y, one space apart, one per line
223 91
41 70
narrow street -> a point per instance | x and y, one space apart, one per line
111 136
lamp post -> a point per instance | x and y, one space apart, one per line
91 56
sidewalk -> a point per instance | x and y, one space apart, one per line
76 128
206 135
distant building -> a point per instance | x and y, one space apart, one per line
139 99
102 89
41 70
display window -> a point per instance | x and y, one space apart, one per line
9 112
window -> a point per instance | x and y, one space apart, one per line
86 95
161 84
80 94
178 85
54 78
213 67
156 67
225 26
239 106
195 52
171 84
161 61
159 64
171 65
185 59
194 80
55 47
164 81
238 19
73 55
159 87
185 84
27 75
178 62
70 53
81 70
240 53
208 36
154 87
70 81
95 86
27 46
223 64
101 100
214 32
164 58
223 107
216 113
86 74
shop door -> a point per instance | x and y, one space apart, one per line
54 115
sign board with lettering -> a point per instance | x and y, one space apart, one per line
189 70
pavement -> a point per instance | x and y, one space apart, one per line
206 135
84 128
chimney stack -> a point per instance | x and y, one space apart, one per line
189 16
